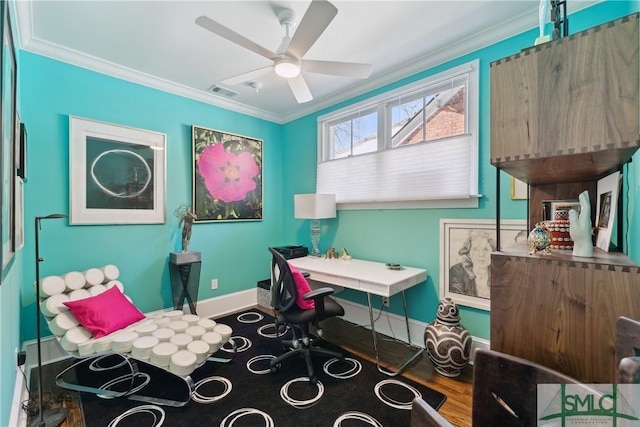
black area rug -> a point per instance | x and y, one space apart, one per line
262 392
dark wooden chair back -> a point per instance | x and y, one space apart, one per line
628 350
505 389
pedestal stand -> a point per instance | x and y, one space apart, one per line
184 270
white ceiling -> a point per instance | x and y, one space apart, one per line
157 43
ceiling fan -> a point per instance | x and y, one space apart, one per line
288 59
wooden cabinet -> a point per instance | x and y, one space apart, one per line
563 115
567 110
560 311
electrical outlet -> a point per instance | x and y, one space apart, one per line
21 357
385 301
214 283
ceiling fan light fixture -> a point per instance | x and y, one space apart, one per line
287 68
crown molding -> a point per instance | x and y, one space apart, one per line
491 35
519 24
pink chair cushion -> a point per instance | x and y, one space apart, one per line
303 287
105 313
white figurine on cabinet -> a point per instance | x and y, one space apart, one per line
580 227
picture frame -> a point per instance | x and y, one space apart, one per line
227 176
8 85
558 209
465 257
519 189
19 215
608 189
117 174
21 155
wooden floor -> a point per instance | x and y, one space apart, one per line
355 339
392 354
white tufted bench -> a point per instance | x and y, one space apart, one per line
91 317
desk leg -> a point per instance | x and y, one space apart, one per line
375 340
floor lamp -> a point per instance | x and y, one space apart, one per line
52 417
314 207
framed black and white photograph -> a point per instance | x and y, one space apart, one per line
607 201
7 139
117 174
465 257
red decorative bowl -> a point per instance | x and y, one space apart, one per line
560 237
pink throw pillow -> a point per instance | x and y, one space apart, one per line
303 287
105 313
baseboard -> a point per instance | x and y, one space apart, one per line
226 304
18 417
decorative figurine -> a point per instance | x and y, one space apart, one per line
580 227
543 12
186 216
345 255
539 240
447 342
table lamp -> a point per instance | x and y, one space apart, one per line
314 207
50 417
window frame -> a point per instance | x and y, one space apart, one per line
383 104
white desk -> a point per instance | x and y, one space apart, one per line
366 276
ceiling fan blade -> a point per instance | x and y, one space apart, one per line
333 68
315 20
227 33
245 77
300 89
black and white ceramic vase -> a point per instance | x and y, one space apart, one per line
447 342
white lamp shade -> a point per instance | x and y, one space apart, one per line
314 206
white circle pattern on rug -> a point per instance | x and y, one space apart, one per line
250 317
274 334
388 401
197 397
301 404
149 409
238 413
259 358
355 415
350 373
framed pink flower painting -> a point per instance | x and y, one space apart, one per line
227 176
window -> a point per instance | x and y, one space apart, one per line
416 146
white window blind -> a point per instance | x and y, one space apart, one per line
428 171
417 146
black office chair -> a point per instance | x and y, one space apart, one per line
283 299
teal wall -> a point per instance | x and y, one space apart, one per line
233 252
411 237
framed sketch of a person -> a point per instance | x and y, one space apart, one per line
465 257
